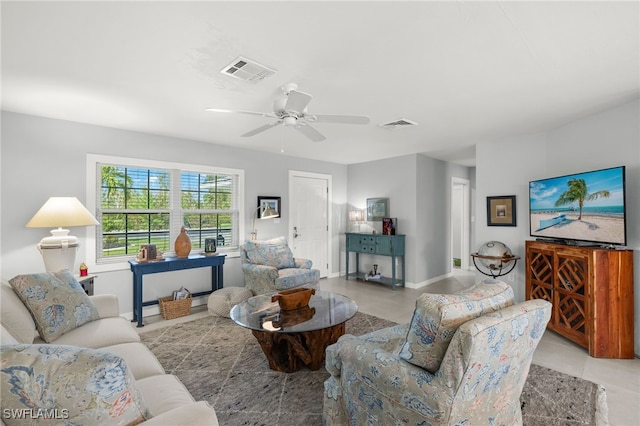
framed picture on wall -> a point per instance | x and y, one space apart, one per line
501 210
265 201
377 209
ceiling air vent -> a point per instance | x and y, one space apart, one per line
247 70
400 122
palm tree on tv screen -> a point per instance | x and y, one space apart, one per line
578 192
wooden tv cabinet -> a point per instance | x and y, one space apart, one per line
591 290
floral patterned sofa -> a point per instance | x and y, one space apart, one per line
463 360
269 266
69 358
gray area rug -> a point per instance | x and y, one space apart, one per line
223 364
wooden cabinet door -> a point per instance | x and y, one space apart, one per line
540 276
571 298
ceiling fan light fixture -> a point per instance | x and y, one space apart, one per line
289 121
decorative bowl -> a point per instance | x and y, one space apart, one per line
293 299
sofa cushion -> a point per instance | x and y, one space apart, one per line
16 318
197 413
77 385
56 301
6 338
139 359
100 333
437 317
292 277
164 393
275 253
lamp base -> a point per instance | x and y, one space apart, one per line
59 250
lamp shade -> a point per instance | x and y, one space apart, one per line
356 215
268 213
59 250
62 211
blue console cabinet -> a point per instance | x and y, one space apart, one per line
380 245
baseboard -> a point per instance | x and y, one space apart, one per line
429 281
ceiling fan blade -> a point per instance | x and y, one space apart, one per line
260 129
343 119
262 114
297 101
311 133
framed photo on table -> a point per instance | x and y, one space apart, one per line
377 209
501 210
389 225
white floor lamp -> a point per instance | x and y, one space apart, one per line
59 250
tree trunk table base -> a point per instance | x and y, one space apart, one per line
289 352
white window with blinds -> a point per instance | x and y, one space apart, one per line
141 201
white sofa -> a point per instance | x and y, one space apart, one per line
167 400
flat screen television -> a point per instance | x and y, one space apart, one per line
580 208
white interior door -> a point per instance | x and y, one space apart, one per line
460 221
309 213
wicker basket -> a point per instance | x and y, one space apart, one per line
170 308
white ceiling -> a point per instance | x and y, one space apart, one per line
465 71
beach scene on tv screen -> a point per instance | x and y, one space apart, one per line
586 206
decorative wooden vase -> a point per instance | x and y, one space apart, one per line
293 299
182 245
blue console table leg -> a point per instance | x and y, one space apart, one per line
137 299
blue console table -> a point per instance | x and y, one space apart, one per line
380 245
140 269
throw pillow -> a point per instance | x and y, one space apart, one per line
275 253
58 384
56 301
438 316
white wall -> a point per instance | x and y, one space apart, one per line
44 157
505 167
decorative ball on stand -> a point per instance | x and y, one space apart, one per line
494 259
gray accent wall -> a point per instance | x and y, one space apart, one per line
505 167
419 192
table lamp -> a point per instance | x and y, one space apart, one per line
267 213
59 250
356 216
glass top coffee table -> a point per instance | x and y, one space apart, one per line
293 339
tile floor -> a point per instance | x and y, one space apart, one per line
621 378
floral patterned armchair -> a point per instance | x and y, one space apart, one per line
477 344
269 266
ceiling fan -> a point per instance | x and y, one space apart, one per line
291 110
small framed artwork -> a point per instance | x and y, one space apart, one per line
265 201
209 245
389 225
377 208
501 210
